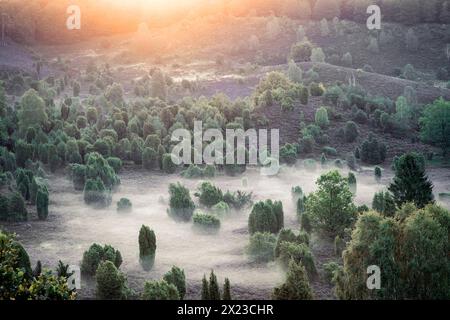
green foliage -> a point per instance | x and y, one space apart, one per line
181 205
288 154
149 159
42 203
17 212
209 195
301 51
411 183
238 200
18 282
300 253
316 89
96 194
321 117
147 242
221 209
97 254
372 151
296 286
295 73
98 167
352 182
167 164
214 291
351 131
160 290
176 277
78 172
287 235
266 217
384 203
261 247
32 110
339 245
115 163
409 251
330 270
331 207
435 124
111 283
206 223
205 289
124 205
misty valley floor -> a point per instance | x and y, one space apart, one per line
72 227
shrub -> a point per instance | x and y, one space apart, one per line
321 117
287 235
181 205
351 131
167 164
330 269
351 161
111 283
115 163
124 205
209 195
266 217
78 176
42 203
296 286
149 158
301 51
339 245
160 290
17 212
384 204
435 125
176 277
331 207
96 194
261 247
238 200
412 250
206 223
221 209
147 247
299 253
295 73
372 151
352 182
316 90
97 254
4 210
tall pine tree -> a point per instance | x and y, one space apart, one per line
226 290
411 183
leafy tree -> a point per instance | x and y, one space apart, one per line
266 217
409 251
331 207
96 254
351 131
149 158
17 211
301 51
384 203
181 205
321 117
296 286
111 283
160 290
411 183
209 195
176 277
435 124
373 151
42 203
206 223
32 110
261 247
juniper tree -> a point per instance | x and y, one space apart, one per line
296 286
411 183
226 290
